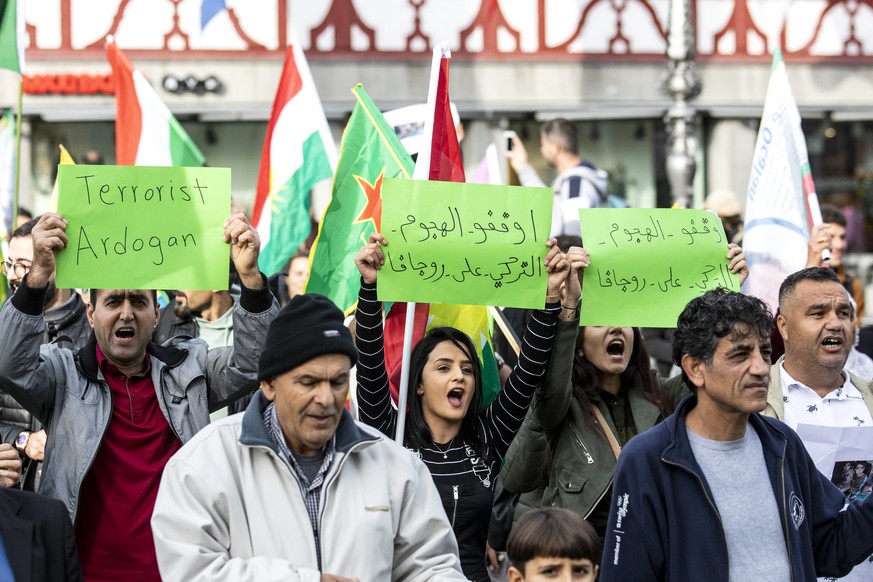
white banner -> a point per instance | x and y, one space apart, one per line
776 225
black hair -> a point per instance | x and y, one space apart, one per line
552 532
830 214
23 211
814 274
92 297
588 379
716 314
418 433
562 132
25 229
565 241
297 255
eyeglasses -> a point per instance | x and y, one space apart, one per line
20 268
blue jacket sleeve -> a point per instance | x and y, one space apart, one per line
633 548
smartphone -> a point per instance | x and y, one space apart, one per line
508 135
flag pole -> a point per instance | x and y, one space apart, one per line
402 396
423 169
506 328
14 217
813 210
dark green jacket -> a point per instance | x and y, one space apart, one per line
583 462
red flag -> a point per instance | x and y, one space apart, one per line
439 159
446 164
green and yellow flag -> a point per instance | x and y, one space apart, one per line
369 153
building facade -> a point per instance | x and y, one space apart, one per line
515 64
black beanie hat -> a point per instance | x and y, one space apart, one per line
309 326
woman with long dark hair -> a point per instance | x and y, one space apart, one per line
599 392
460 443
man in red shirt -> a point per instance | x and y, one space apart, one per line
118 408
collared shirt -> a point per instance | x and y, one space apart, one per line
311 491
113 529
843 406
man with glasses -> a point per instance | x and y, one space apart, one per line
65 317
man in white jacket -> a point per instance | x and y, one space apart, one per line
293 488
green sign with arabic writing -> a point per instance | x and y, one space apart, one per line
137 227
647 264
470 244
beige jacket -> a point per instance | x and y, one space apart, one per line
776 406
229 508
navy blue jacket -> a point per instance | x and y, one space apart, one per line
664 524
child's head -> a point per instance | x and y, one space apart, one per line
553 543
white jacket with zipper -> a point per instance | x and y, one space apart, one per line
230 508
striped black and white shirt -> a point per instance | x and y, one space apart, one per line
498 423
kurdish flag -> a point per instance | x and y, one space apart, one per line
298 153
146 133
12 34
370 151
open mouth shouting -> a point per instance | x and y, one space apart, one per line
125 333
609 349
615 349
456 397
832 343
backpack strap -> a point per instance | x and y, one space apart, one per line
613 442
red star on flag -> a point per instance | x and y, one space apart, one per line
373 209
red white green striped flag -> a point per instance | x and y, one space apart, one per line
12 35
299 152
146 133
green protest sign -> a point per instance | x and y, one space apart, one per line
136 227
469 244
647 264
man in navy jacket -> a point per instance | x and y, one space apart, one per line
717 492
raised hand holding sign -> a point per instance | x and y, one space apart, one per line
646 264
464 243
135 227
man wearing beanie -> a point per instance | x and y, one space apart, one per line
294 488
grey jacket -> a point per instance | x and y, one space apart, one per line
69 320
66 391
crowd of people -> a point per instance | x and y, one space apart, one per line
212 440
